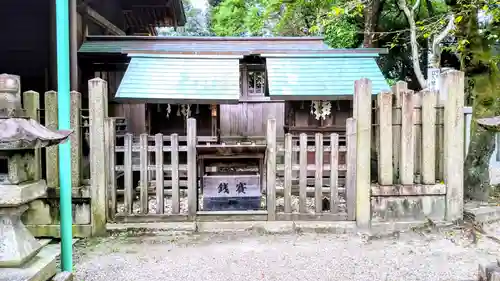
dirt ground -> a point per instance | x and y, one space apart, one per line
421 254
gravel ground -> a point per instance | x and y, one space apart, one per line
437 255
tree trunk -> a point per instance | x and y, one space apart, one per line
484 85
371 14
482 142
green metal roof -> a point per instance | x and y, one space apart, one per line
197 45
181 79
322 76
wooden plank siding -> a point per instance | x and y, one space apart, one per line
250 119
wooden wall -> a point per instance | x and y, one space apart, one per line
25 44
300 120
250 119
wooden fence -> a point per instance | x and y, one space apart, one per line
411 171
415 144
160 187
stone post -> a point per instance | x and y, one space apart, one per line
51 153
76 139
31 104
363 101
98 97
453 88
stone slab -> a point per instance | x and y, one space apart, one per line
483 212
235 226
63 276
337 227
162 226
15 195
41 268
408 208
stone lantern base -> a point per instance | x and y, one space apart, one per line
22 257
17 244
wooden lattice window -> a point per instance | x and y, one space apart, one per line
253 81
256 82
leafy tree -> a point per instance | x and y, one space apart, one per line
238 18
478 33
417 32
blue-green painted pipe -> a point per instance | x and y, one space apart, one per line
63 114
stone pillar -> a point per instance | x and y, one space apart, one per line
51 153
31 105
76 139
363 109
98 111
453 87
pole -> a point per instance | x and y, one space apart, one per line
63 100
73 23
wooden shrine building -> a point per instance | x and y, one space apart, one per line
232 86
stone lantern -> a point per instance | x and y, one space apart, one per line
19 137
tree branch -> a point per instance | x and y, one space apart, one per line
413 40
415 7
436 48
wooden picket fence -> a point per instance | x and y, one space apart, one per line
167 191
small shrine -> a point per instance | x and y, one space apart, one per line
19 137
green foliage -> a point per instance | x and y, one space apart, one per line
237 18
340 33
341 22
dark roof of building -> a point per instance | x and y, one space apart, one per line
212 45
142 16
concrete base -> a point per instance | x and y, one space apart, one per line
41 268
63 276
480 212
339 227
17 244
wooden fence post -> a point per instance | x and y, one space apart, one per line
318 173
174 162
397 89
407 152
76 138
350 177
31 104
144 174
51 153
428 159
417 136
160 192
98 95
271 169
191 166
384 112
363 96
453 86
110 133
287 193
128 174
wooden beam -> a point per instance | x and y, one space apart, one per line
100 20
